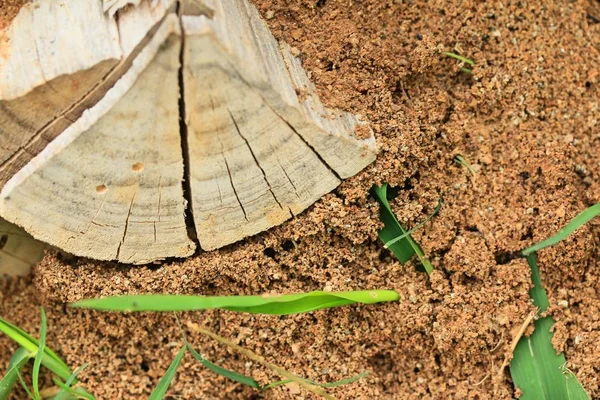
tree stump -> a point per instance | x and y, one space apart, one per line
136 130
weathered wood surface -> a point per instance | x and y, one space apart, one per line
113 190
107 183
18 250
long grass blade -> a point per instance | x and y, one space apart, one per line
405 247
581 218
163 385
18 360
266 304
261 360
39 355
249 381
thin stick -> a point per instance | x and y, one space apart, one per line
516 339
261 360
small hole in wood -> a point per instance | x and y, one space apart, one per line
138 167
3 241
101 189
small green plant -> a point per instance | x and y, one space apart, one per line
462 59
463 161
394 236
43 356
536 369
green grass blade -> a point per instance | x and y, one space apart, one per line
25 340
22 381
536 369
39 355
234 376
75 392
581 218
459 58
418 226
249 381
266 304
404 249
163 385
63 392
18 360
463 161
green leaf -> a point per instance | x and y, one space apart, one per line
405 248
39 355
18 360
536 369
581 218
64 390
266 304
163 385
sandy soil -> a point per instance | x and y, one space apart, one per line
8 10
527 121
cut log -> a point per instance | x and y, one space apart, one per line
18 250
225 130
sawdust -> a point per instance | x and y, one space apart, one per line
526 119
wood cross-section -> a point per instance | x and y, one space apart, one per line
182 129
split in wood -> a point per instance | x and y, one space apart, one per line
126 100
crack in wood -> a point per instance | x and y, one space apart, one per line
185 151
239 132
126 227
233 186
233 69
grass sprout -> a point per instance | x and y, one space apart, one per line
462 59
536 369
265 304
394 236
463 161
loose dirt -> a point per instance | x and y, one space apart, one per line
526 119
8 10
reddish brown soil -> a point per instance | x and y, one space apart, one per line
8 10
527 121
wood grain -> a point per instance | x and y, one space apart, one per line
18 250
114 191
103 175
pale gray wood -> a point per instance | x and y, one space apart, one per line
18 250
104 178
113 191
249 170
